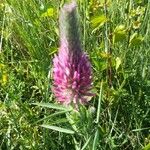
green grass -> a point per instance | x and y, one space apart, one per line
116 37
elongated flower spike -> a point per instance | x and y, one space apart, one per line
72 72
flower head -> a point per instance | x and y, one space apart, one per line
72 72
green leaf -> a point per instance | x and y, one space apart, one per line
135 40
118 62
119 34
52 115
139 1
53 106
59 129
147 147
119 28
73 118
98 21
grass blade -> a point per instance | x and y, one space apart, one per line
53 106
87 142
50 116
96 138
59 129
99 103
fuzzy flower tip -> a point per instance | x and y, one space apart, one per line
72 74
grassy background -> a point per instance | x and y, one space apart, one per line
115 34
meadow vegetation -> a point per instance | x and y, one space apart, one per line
116 36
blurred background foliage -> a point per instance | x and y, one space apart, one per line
115 34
